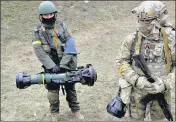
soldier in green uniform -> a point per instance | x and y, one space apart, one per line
55 48
155 39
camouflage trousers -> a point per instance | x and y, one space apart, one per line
71 97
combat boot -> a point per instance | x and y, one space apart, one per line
77 115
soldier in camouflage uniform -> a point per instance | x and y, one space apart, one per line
55 48
155 39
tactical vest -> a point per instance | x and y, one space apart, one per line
156 53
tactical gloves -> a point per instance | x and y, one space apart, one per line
151 88
158 86
144 84
55 69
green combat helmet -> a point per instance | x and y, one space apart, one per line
47 7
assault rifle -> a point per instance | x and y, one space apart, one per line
140 62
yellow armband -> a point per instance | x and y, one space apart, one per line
36 42
122 67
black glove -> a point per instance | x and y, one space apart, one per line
55 69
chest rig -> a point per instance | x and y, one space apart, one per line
156 53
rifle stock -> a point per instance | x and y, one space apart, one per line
140 62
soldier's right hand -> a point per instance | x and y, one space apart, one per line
55 69
144 84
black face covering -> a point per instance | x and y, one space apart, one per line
50 21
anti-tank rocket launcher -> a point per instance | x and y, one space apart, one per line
84 75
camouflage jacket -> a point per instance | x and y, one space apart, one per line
154 51
43 49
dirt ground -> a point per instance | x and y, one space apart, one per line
99 28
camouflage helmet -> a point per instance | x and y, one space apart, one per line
147 11
155 8
46 7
